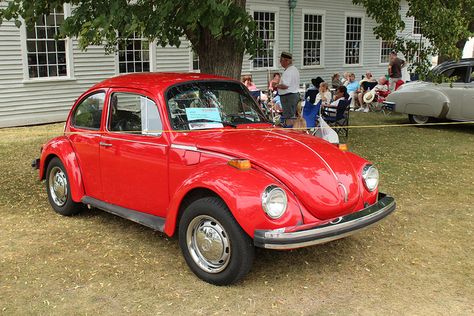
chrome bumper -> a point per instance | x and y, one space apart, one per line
328 231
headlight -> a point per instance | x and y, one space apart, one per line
370 174
274 201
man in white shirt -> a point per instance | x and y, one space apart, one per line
288 86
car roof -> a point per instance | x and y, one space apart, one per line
154 81
452 63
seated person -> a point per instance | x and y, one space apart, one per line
362 91
275 105
382 85
353 85
341 94
299 123
313 91
345 78
336 81
324 94
368 77
247 80
274 82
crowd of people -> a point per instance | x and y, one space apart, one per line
284 89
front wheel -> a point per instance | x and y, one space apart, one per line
59 191
418 119
214 246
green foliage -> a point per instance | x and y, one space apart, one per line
100 22
446 24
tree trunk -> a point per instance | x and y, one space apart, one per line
219 56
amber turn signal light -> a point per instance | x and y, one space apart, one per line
343 147
241 164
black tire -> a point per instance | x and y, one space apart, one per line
418 119
208 227
59 190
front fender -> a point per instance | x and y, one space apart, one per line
61 147
241 190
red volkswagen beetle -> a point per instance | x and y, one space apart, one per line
193 155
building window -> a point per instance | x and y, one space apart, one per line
416 27
195 60
353 40
312 39
134 55
386 48
264 58
46 56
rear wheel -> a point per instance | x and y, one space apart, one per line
418 119
214 246
59 191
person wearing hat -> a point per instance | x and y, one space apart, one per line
395 69
288 86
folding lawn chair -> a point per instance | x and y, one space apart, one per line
340 118
310 113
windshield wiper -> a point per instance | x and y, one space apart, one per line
212 121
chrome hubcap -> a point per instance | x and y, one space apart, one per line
208 244
420 119
58 186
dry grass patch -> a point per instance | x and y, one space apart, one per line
418 261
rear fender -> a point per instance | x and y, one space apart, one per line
61 147
430 102
241 190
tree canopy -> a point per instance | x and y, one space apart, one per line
447 24
220 31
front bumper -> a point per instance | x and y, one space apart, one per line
289 238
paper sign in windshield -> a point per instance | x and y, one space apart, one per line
204 118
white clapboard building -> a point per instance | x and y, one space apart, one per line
41 78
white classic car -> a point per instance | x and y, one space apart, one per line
423 101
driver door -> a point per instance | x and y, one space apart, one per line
460 93
134 154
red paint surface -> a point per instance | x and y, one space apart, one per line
145 173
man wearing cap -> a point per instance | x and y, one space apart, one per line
395 69
288 86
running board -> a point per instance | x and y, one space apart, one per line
148 220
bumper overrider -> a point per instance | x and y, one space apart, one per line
291 237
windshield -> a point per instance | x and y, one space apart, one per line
211 104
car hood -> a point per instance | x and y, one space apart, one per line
320 175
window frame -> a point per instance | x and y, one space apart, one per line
68 51
322 13
380 53
137 93
276 63
361 48
191 61
73 112
453 69
414 28
151 56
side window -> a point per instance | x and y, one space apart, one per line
135 114
89 112
472 76
458 74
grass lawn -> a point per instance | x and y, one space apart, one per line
418 261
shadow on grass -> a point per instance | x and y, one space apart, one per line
320 258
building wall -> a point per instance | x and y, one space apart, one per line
25 101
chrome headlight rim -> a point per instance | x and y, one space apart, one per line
268 195
370 175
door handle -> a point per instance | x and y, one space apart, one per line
105 144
